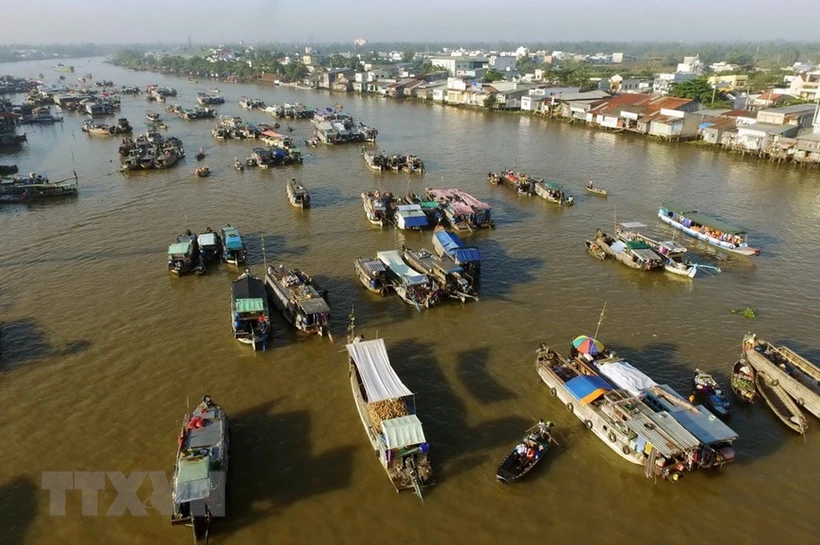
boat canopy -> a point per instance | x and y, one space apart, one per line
378 377
403 431
632 225
625 376
207 239
449 241
698 420
392 259
554 186
412 215
701 219
248 288
180 248
587 388
637 245
662 432
467 255
233 242
248 306
193 480
372 266
316 305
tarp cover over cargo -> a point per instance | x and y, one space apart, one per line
379 380
453 246
625 376
587 388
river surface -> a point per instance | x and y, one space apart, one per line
102 348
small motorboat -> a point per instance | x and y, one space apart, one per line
528 452
203 172
201 155
707 391
743 382
237 164
596 190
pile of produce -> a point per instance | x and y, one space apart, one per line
385 410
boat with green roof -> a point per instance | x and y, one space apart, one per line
706 228
250 312
553 192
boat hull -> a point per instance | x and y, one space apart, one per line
741 250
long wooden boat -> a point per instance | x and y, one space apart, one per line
521 183
300 301
19 189
234 251
618 418
371 273
635 254
596 190
782 372
673 254
449 277
526 454
743 382
184 256
250 313
377 207
298 195
780 403
466 257
553 192
410 217
387 409
201 469
413 288
708 229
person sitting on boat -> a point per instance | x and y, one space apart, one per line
521 450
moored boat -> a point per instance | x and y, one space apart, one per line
210 246
449 244
298 298
250 313
371 273
673 254
377 206
780 403
410 217
463 211
526 454
413 288
632 253
298 195
705 228
387 409
553 192
201 469
743 382
448 276
707 391
234 251
183 255
19 189
521 183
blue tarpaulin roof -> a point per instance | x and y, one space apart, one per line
466 255
587 389
233 242
449 241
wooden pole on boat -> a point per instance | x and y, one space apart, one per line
600 319
264 258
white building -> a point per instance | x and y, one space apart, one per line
690 65
457 65
617 58
719 67
664 82
522 52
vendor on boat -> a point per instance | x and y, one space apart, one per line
590 185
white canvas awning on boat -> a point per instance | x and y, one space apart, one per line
392 259
379 379
207 239
624 375
403 431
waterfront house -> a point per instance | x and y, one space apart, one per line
328 78
760 137
343 84
531 103
807 148
672 124
800 115
712 129
806 85
769 99
635 112
574 105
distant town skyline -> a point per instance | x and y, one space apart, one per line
326 21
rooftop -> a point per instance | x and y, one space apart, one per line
793 109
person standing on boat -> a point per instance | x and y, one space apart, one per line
590 185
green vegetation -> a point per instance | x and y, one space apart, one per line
748 312
696 89
492 75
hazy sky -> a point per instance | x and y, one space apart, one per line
123 21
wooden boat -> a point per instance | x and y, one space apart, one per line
201 469
298 195
202 172
791 374
377 206
463 211
617 417
595 250
410 217
673 254
183 256
250 314
521 183
200 155
708 229
526 454
237 164
372 160
635 254
708 392
19 189
448 276
553 192
154 117
210 246
234 251
449 244
596 190
371 273
387 409
780 403
743 382
300 301
100 129
413 288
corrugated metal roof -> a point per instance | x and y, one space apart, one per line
656 434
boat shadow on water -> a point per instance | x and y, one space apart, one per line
25 341
502 271
273 466
455 445
476 378
19 499
277 248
